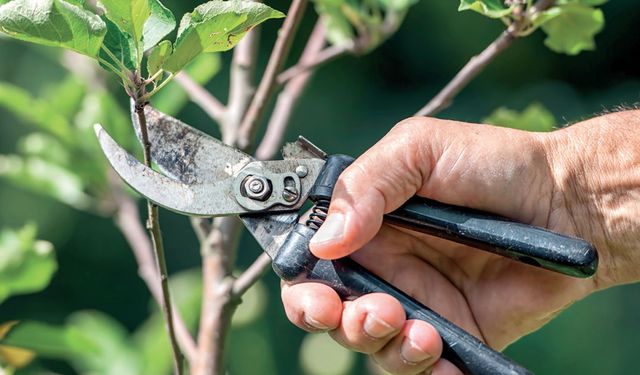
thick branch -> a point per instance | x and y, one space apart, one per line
218 246
128 221
201 97
478 63
241 87
153 226
290 95
217 303
274 67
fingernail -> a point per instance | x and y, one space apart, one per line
376 328
332 229
315 324
411 353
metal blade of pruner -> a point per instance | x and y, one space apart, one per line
201 176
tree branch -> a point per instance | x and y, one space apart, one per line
153 226
274 66
218 304
290 95
218 246
479 62
203 98
251 275
321 58
242 87
127 219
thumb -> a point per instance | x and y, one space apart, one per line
378 182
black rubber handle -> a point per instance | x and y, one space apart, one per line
294 263
525 243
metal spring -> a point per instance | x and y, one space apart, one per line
318 214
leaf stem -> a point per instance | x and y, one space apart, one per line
162 84
113 69
153 77
114 58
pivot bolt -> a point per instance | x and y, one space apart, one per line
257 188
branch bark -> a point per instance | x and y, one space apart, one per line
326 55
153 226
288 98
219 244
274 67
479 62
251 275
203 98
242 88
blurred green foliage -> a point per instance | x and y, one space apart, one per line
54 175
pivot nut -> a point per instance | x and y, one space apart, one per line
256 187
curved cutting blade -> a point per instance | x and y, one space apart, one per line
187 154
198 199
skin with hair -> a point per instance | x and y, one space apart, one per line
582 180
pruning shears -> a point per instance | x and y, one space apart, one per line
201 176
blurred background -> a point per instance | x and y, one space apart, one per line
349 104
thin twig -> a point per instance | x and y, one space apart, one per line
201 227
288 98
153 226
475 65
321 58
251 275
479 62
127 219
203 98
274 67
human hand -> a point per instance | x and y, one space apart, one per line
534 178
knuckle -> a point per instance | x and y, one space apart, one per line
410 123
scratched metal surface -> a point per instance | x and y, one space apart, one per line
191 156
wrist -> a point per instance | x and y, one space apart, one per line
595 166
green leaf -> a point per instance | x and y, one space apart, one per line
53 23
26 263
114 353
397 5
65 96
339 29
533 118
121 45
93 342
129 15
157 57
570 28
489 8
215 26
172 98
101 106
49 340
46 147
160 23
45 178
36 112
